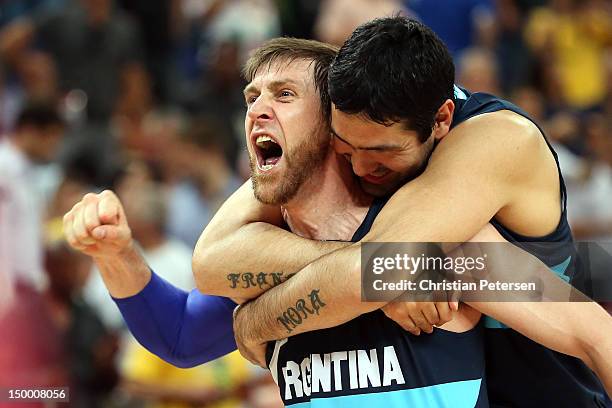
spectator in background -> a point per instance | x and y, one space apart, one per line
207 179
588 180
89 347
589 205
218 94
194 17
515 61
228 30
145 205
7 292
98 54
217 384
38 132
72 187
9 102
160 22
92 44
589 210
247 22
608 68
338 18
37 77
152 137
459 23
570 37
244 23
30 349
477 71
12 9
297 17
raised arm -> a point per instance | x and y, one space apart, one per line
97 226
244 250
182 328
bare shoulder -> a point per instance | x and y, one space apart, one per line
513 148
503 140
505 125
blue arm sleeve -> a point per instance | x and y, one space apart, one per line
184 329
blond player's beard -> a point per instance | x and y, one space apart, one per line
300 163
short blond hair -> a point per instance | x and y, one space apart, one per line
287 49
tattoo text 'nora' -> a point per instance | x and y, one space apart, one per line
294 316
262 280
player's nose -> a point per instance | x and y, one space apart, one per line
261 110
362 166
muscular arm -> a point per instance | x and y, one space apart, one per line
580 328
478 170
244 251
480 178
183 329
469 170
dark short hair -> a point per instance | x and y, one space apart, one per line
39 114
392 70
288 49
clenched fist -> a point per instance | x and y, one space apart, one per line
97 226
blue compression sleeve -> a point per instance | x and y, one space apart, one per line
184 329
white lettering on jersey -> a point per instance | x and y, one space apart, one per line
314 374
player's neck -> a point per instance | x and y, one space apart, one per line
330 205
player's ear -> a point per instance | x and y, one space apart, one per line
444 118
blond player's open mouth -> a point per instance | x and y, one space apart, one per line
268 152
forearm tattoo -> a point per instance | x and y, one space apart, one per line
294 316
262 280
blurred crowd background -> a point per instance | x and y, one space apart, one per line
145 97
